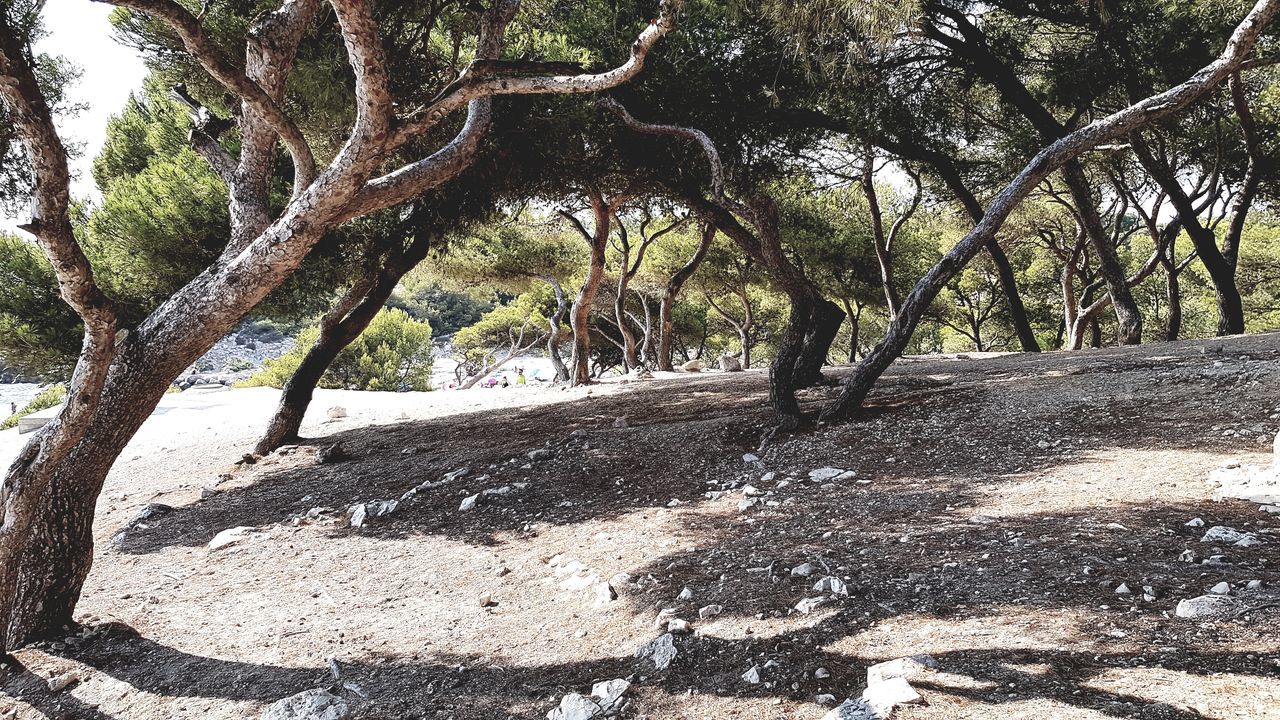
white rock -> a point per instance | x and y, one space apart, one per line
1223 534
604 593
685 594
1254 585
579 582
709 611
469 502
883 697
1123 590
337 412
575 707
829 473
1195 522
833 585
808 605
822 673
1248 541
231 536
751 491
825 699
753 675
679 627
907 668
803 570
1222 588
982 520
357 515
745 505
309 705
609 693
1208 607
58 683
750 458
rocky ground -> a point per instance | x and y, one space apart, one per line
1031 523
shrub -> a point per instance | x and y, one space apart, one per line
47 398
393 354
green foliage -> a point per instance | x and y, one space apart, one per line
393 354
39 333
51 396
526 316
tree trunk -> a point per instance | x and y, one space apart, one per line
1017 311
598 239
854 322
666 325
554 323
1174 295
1128 319
823 328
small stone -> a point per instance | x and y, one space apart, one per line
486 599
1223 534
822 673
309 705
65 680
661 650
808 605
907 668
231 536
883 697
981 520
679 627
803 570
745 505
1123 589
541 454
833 585
469 502
621 422
1254 585
337 412
830 473
751 491
1207 607
331 454
1195 523
1222 588
685 594
825 699
709 611
750 458
752 675
1187 556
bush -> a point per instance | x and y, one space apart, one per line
392 354
47 398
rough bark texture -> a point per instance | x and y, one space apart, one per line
1052 157
579 317
50 492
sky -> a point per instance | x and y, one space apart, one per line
80 32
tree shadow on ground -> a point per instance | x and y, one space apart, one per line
907 542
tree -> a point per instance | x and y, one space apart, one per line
48 496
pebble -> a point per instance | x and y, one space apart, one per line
309 705
231 536
1207 607
709 611
1222 588
469 502
661 650
803 570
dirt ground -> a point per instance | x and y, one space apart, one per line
998 504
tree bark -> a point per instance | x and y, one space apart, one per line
824 326
666 325
1128 319
579 319
554 323
49 494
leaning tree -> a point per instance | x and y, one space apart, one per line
49 492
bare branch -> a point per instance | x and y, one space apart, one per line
693 134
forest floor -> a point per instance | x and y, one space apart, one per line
998 504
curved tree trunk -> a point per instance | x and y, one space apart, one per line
824 326
597 239
1174 295
1017 311
855 320
1128 319
554 323
665 324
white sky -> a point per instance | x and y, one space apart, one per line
80 32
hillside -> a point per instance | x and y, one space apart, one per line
996 506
